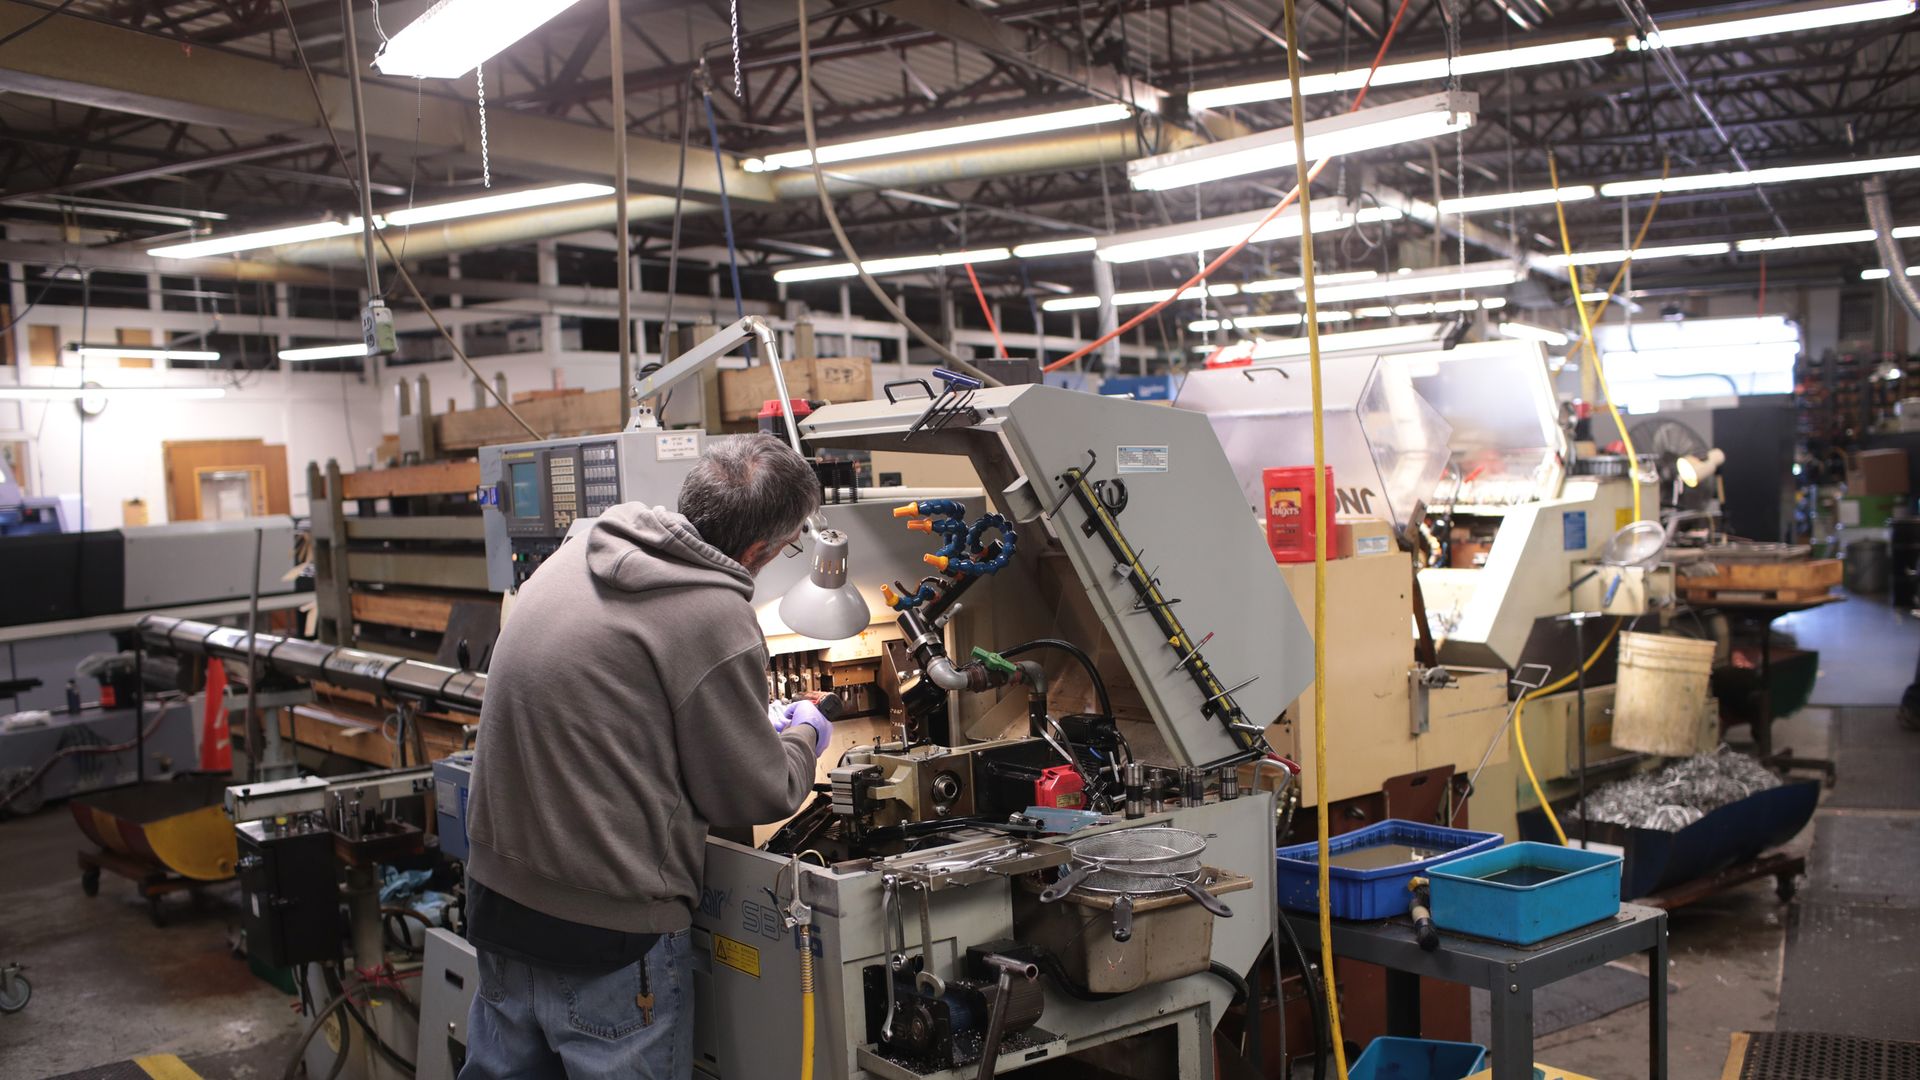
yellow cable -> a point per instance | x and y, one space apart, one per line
1586 329
806 1002
1520 728
1319 547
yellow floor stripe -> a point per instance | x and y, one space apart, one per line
166 1067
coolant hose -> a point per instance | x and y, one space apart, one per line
1243 993
1520 728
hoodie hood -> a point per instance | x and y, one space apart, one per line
637 548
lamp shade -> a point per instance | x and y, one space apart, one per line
1693 470
822 605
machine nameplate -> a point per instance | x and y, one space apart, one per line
676 447
737 955
1140 459
1573 530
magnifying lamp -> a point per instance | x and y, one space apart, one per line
1693 471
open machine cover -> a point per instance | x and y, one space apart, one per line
1386 445
1508 445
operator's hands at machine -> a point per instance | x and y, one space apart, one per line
798 713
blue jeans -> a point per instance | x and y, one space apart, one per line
529 1021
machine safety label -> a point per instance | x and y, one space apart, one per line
737 955
1140 459
1573 530
676 447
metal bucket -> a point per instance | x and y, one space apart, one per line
1866 567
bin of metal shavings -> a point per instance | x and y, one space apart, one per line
1697 816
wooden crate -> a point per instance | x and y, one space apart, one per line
829 379
1798 575
555 417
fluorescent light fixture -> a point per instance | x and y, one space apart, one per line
1906 232
227 245
1826 239
1044 248
1783 174
147 216
69 393
1879 273
1385 338
493 204
1528 332
1288 284
1218 234
1612 256
1786 22
1133 299
1475 204
899 265
1410 71
453 37
934 138
1436 307
1490 275
137 352
325 352
1256 322
1384 125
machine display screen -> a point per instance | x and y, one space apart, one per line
524 476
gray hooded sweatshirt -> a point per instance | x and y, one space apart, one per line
626 711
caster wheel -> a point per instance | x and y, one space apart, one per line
15 994
155 912
90 882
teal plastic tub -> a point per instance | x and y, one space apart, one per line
1526 892
1390 1058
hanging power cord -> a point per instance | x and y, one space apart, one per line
892 309
1587 322
319 104
1220 260
1520 728
726 206
1319 550
985 311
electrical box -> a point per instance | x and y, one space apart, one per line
452 778
290 901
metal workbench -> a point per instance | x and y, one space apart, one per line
1509 973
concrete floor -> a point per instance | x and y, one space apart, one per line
108 985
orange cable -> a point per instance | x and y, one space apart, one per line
985 310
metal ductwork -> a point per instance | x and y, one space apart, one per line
1880 219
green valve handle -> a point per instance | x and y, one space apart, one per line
993 661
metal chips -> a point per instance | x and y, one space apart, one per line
1680 794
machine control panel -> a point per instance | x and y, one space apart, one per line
535 492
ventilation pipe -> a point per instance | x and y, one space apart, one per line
1880 219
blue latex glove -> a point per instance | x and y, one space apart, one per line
805 712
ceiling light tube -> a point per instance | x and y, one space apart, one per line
1218 234
265 238
934 138
1475 204
1528 332
1410 71
1782 174
1348 133
1488 275
1826 239
899 265
453 37
1257 322
69 393
1288 284
325 352
1645 254
137 352
494 204
1879 273
1044 248
1798 20
1408 337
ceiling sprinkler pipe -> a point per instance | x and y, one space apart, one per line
1880 218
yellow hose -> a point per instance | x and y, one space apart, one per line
1319 548
1520 727
1586 325
806 1003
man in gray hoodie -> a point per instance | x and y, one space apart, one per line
626 713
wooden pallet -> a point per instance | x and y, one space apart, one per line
1796 575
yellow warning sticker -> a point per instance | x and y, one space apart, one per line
1622 518
737 955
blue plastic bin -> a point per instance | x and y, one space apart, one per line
1390 1058
1586 891
1379 893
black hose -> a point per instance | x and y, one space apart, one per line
1243 994
379 1044
1323 1029
299 1051
1068 647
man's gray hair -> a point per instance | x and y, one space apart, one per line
748 489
